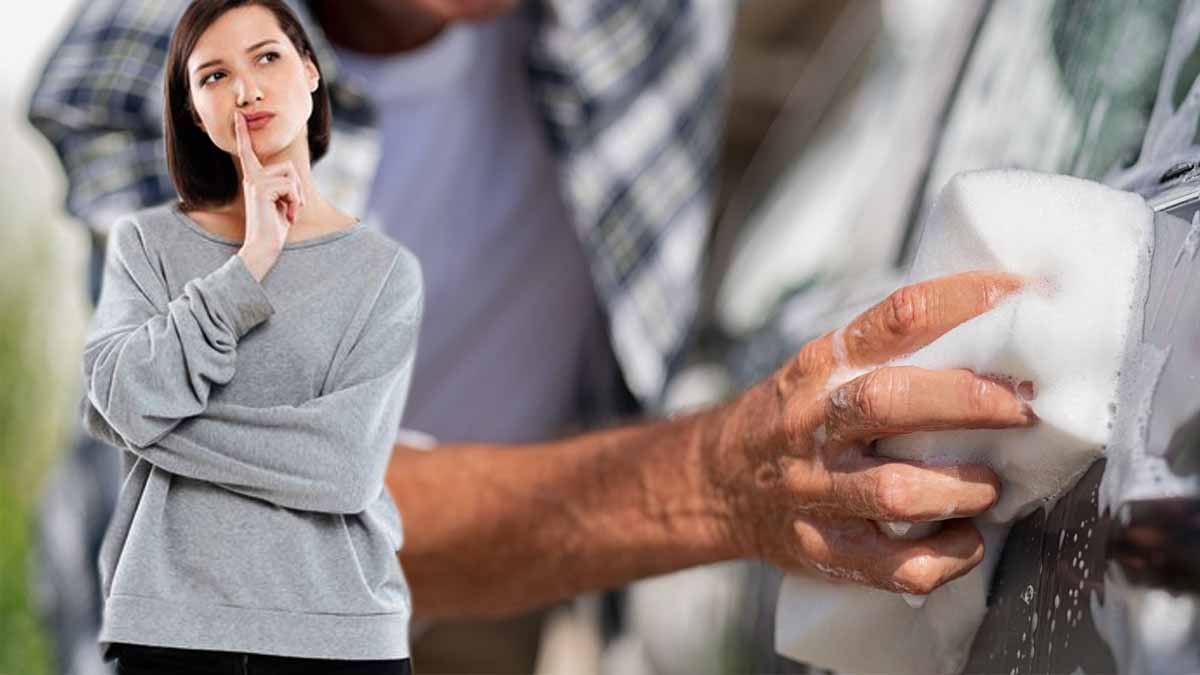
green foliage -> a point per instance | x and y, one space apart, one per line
35 385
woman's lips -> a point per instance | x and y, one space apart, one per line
258 121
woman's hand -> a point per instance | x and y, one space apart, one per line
803 488
271 196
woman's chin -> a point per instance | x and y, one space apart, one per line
264 144
267 142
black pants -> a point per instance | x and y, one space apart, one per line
143 660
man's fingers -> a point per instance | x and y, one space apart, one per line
855 550
906 399
920 566
916 315
245 149
894 490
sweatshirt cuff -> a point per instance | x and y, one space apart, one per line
243 300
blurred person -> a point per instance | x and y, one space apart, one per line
255 501
551 165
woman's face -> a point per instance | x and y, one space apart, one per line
244 64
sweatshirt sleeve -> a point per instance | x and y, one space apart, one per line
150 361
329 454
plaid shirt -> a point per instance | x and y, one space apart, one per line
630 92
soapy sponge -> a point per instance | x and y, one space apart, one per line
1087 248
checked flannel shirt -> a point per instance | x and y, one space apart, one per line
631 93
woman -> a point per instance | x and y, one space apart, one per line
251 352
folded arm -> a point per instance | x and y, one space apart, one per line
328 454
149 361
148 392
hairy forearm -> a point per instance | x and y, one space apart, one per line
493 530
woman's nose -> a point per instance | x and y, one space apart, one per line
247 90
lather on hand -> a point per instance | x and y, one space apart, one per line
807 491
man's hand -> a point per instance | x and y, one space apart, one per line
783 472
795 461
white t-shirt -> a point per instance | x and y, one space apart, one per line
467 181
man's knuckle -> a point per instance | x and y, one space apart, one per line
813 489
905 313
893 493
811 358
795 433
874 395
863 395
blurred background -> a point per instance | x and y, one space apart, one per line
844 119
43 312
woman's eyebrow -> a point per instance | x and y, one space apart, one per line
251 48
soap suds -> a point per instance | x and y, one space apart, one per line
896 530
1067 335
841 360
819 437
1142 626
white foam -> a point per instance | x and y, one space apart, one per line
1088 246
896 530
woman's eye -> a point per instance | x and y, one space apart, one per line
274 56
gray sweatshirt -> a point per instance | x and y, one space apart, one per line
255 422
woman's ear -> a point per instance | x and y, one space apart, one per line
314 77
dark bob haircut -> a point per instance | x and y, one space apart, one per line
204 175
